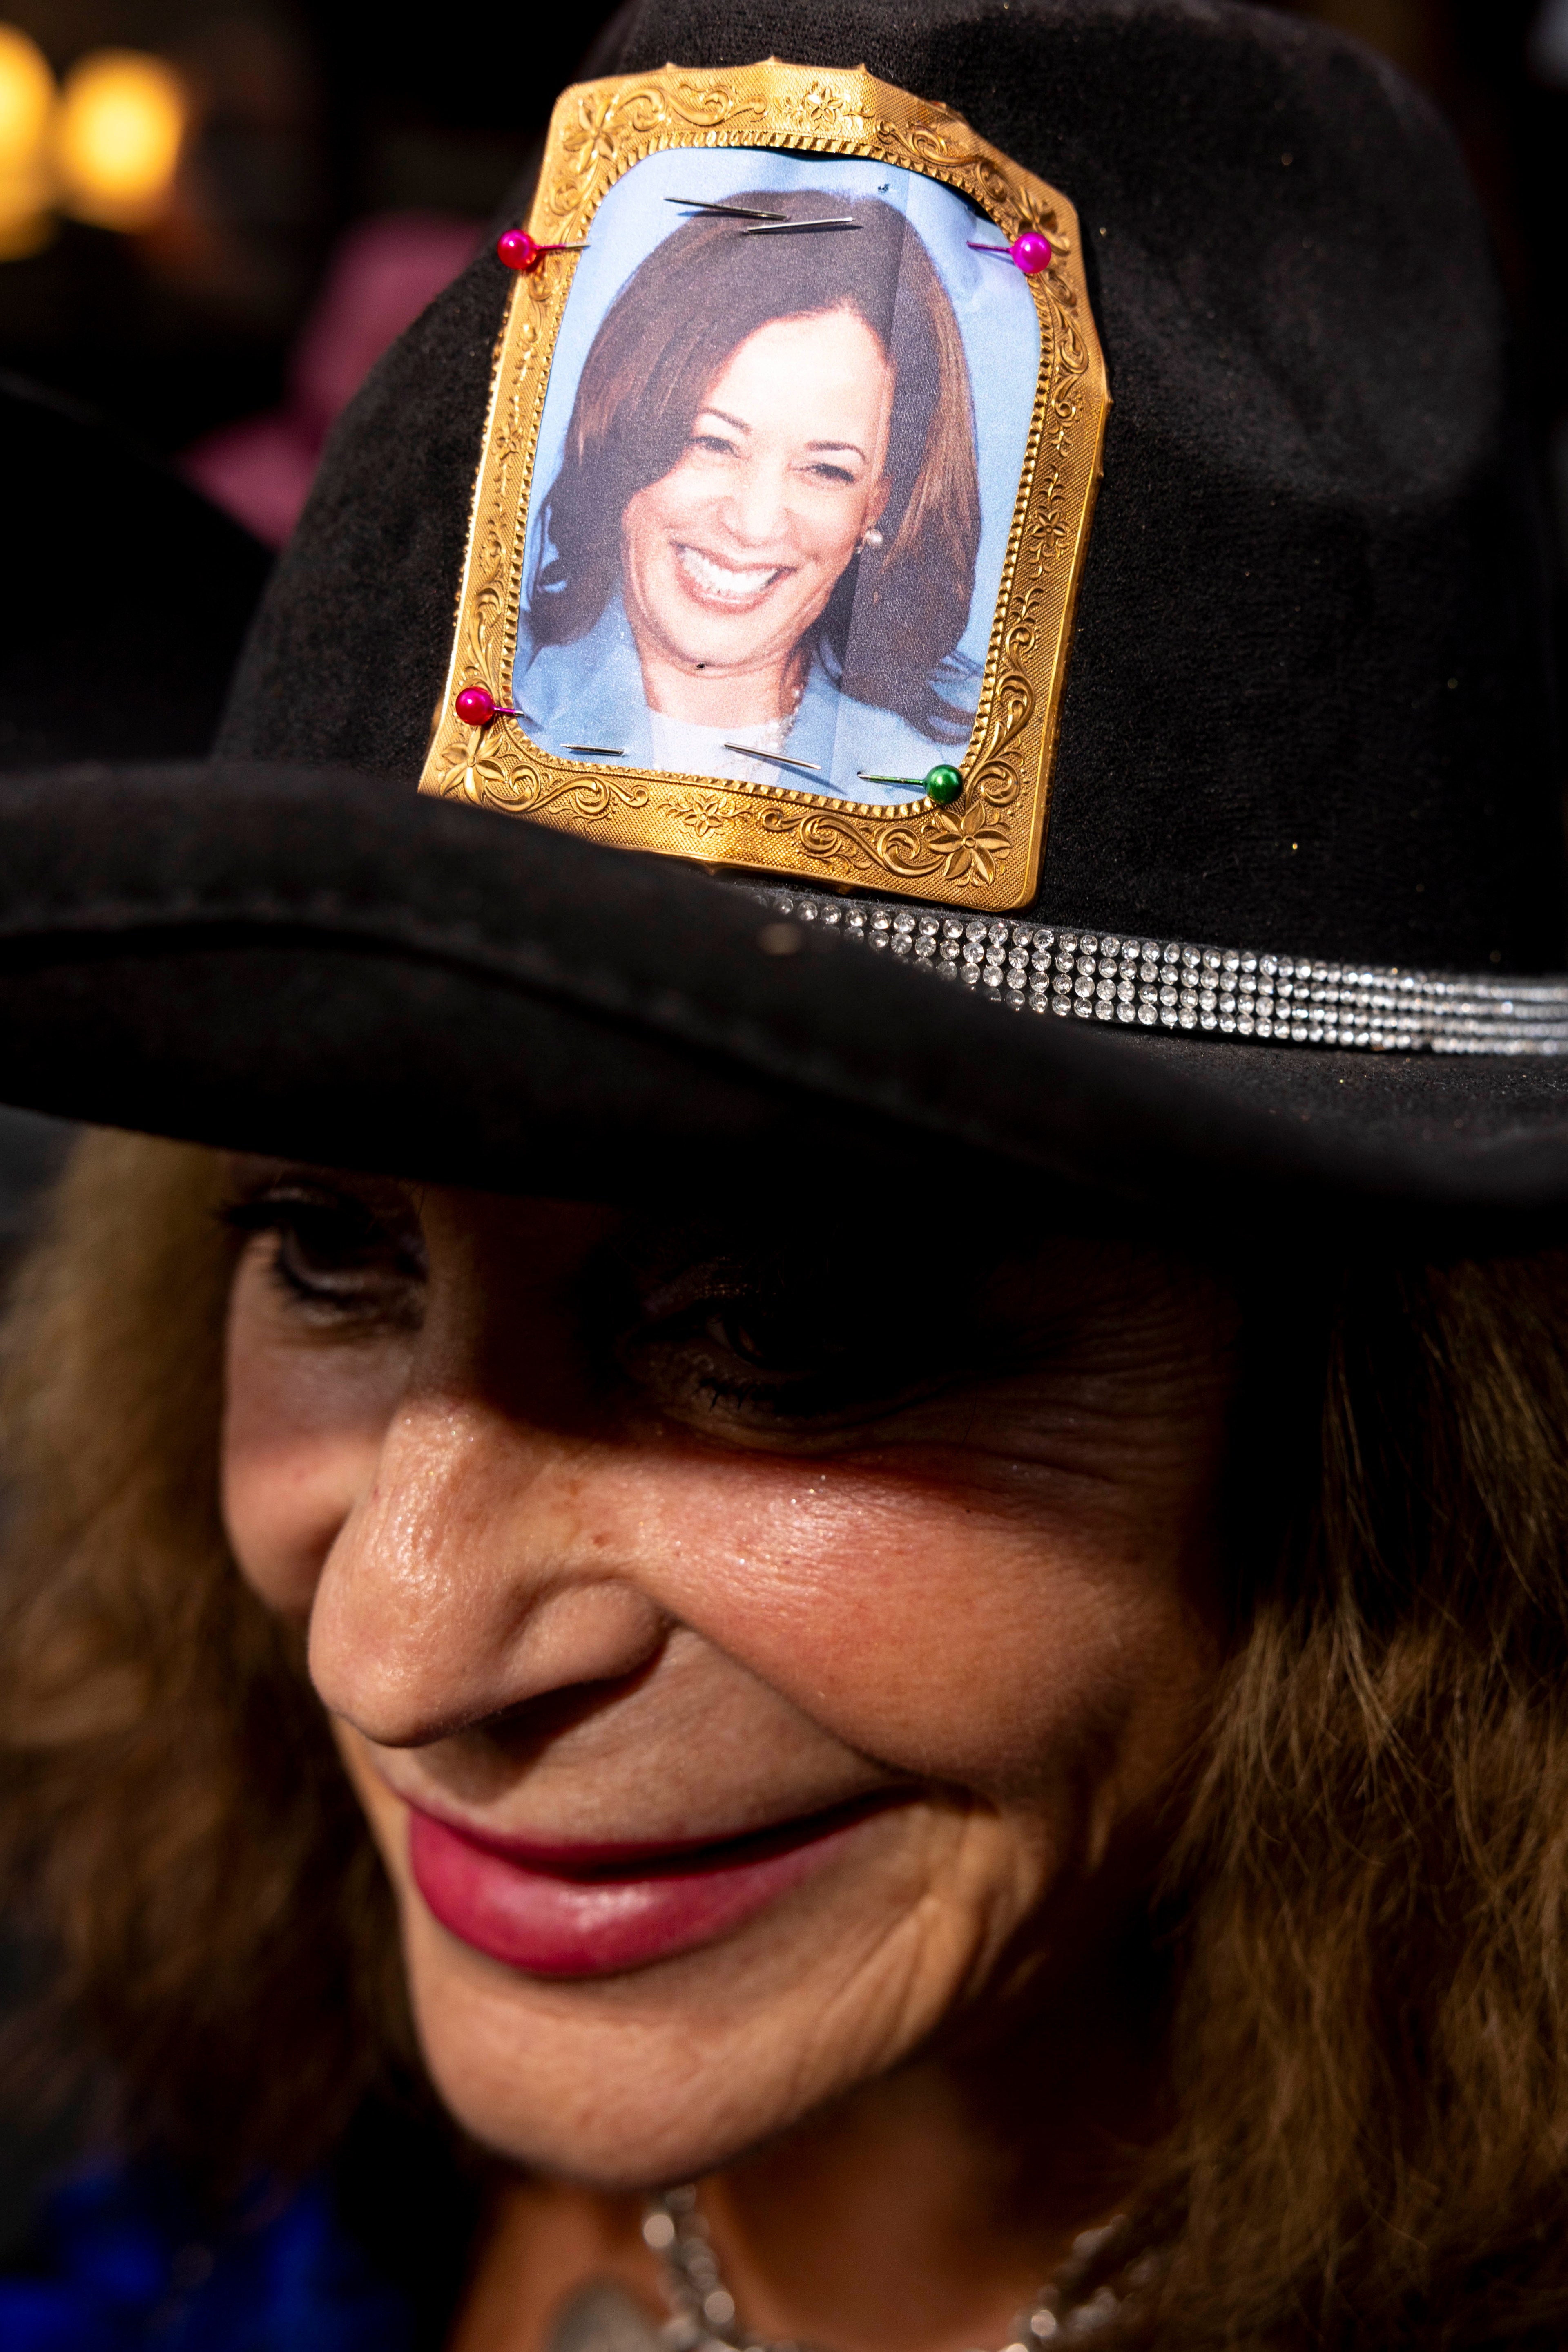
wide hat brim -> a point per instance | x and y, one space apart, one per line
322 966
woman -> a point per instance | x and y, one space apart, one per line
761 542
702 1646
949 1773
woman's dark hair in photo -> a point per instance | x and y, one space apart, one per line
694 300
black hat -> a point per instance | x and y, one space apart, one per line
1301 891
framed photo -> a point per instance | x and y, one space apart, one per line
785 489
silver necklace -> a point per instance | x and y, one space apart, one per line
1063 2314
602 2318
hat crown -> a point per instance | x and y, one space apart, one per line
1309 699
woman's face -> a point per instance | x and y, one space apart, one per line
758 1665
729 559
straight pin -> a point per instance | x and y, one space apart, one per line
732 212
520 251
1030 252
775 759
596 751
777 228
940 784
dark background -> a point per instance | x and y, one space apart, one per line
307 118
311 117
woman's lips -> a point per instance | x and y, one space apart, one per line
591 1911
717 583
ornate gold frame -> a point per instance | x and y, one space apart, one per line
983 851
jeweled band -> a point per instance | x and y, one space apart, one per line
1179 984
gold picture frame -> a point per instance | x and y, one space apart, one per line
982 852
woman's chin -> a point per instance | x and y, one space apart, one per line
660 2071
726 644
617 2098
641 2138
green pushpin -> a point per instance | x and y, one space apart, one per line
941 783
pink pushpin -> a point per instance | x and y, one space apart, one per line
518 250
477 706
1031 251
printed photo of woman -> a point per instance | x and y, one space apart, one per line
757 557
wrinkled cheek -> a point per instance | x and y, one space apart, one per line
933 1636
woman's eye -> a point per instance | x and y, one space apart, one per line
730 1360
766 1342
835 476
711 445
336 1257
761 1362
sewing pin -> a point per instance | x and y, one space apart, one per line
476 706
775 228
942 783
775 759
518 250
1030 252
731 212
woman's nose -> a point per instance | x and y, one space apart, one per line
473 1577
757 511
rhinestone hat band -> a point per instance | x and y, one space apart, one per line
1230 991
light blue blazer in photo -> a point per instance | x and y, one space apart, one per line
591 691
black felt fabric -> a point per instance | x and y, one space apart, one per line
349 650
1308 706
313 965
124 597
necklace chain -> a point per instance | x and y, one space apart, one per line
703 2309
774 732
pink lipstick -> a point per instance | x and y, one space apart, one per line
591 1911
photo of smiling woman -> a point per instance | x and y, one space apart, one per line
758 559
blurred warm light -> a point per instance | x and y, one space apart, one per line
117 137
26 109
27 101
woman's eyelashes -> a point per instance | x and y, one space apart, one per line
823 473
334 1258
833 477
754 1355
716 1341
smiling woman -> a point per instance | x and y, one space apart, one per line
675 1496
784 476
810 1739
758 559
732 1621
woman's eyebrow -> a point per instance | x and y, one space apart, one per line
837 445
724 417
